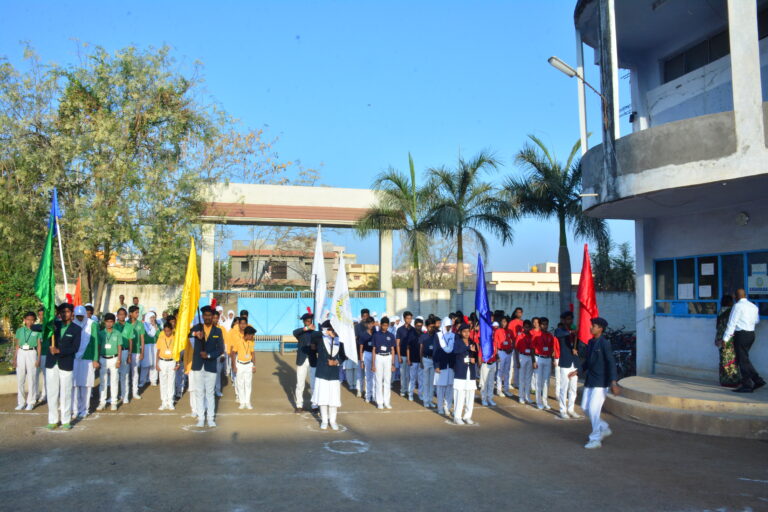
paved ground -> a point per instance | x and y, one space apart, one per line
516 458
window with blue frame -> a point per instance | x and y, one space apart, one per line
694 285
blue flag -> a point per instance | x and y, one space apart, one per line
483 312
55 211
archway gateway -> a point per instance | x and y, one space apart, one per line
284 205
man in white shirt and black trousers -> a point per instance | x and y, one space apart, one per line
741 326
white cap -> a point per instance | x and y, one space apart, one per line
80 311
88 304
495 324
395 318
374 314
420 318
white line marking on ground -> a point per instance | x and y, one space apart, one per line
753 480
347 447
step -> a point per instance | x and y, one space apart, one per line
693 395
706 422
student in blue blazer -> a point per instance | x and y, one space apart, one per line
464 375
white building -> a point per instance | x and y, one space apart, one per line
541 277
693 173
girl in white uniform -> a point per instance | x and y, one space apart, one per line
443 361
327 391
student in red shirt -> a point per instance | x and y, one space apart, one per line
524 362
545 349
515 327
488 372
504 343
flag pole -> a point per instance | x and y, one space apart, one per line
61 256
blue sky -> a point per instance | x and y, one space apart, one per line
354 86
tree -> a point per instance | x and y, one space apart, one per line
548 189
402 206
464 204
613 267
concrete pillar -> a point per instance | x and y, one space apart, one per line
206 257
385 269
745 74
644 306
581 93
614 68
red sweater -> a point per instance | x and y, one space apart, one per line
502 340
544 345
523 344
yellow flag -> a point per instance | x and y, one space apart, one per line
190 299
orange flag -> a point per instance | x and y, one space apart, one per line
586 297
77 299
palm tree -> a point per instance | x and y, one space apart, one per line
549 189
401 207
464 204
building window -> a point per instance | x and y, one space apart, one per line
244 267
279 270
693 286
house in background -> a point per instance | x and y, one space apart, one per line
542 277
693 174
361 275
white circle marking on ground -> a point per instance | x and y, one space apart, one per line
347 447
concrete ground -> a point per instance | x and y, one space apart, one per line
515 458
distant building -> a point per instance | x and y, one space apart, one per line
542 277
361 274
259 263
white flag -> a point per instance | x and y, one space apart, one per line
341 312
318 283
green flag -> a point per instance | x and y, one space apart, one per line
45 285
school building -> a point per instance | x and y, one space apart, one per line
693 172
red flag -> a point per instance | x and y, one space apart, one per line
77 299
586 297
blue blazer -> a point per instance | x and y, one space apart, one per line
303 350
465 360
599 368
68 344
213 345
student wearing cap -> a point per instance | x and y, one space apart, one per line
232 338
327 392
488 372
148 368
244 365
26 361
443 361
306 359
504 344
110 349
166 366
365 356
133 334
427 344
59 365
209 345
567 362
86 361
545 349
384 345
403 337
599 370
524 364
465 355
413 359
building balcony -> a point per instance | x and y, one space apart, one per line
677 168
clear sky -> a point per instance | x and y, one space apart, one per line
354 86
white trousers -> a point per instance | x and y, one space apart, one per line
193 379
244 382
427 381
148 370
524 383
592 402
444 398
542 380
328 413
206 389
567 394
383 380
502 372
26 373
59 391
167 379
370 388
301 380
81 400
487 380
41 372
515 382
465 403
413 378
125 375
135 366
108 373
557 376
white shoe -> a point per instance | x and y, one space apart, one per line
200 423
547 408
575 416
410 397
358 394
564 416
485 403
126 401
522 402
137 397
605 433
242 406
101 406
323 426
387 406
248 406
219 395
334 426
458 421
171 408
211 424
592 445
30 407
161 408
113 407
380 407
19 407
540 407
469 421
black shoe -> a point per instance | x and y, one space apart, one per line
742 389
759 385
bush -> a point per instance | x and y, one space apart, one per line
17 296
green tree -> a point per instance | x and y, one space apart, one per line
402 206
461 203
548 189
